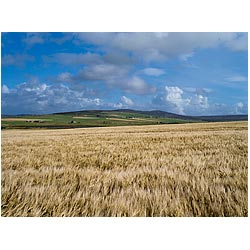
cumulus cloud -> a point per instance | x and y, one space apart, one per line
239 108
127 101
118 105
122 51
191 101
108 73
200 101
136 85
162 46
240 105
112 75
102 72
65 77
5 89
94 37
34 97
179 100
174 96
153 71
239 43
18 60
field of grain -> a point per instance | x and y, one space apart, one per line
160 170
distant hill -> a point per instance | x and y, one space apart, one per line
222 118
19 115
161 114
106 118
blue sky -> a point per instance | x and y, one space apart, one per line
185 73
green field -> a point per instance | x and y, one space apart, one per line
91 119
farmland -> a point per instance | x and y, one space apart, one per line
86 120
194 169
106 118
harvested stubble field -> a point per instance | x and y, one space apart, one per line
161 170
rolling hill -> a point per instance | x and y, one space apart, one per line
107 118
161 114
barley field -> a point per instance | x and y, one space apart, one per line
161 170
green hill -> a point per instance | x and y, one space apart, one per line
105 118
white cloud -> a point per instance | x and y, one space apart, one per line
162 46
137 85
198 90
73 58
5 89
105 72
153 71
33 38
200 101
18 60
127 101
95 37
240 105
174 96
206 90
239 108
236 79
34 97
118 58
185 57
154 55
239 43
65 77
118 105
112 75
193 101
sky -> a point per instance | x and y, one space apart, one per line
185 73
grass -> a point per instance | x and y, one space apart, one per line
92 120
160 170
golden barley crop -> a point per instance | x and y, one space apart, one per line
161 170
